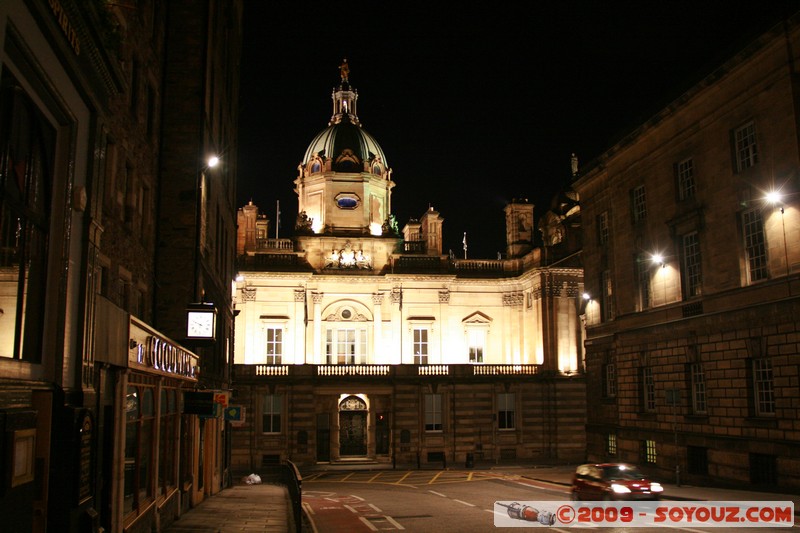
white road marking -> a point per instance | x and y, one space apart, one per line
465 503
394 522
437 493
369 524
376 509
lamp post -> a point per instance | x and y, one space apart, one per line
776 199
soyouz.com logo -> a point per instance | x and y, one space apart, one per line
644 514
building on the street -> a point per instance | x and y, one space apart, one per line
100 417
692 255
358 340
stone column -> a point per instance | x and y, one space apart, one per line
318 340
378 353
300 322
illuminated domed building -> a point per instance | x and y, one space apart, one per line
356 340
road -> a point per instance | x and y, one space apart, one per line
424 500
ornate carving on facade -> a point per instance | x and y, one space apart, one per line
397 295
353 403
553 289
377 298
249 294
572 289
299 295
513 299
347 258
316 297
444 297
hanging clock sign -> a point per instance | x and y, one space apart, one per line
201 322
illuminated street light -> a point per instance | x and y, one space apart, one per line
658 259
212 161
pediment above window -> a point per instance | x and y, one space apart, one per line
477 318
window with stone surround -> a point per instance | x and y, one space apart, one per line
643 265
638 204
745 147
271 408
647 387
648 451
433 412
763 387
602 228
697 381
685 174
274 349
27 154
607 293
609 380
755 245
505 410
420 346
691 270
611 444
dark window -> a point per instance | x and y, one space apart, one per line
763 469
697 459
648 389
505 411
745 147
755 245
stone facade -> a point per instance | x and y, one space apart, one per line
692 336
356 340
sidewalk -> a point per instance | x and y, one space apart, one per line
256 508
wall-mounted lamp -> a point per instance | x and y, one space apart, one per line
776 199
658 259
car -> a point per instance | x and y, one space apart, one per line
613 481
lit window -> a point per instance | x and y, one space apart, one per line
476 338
649 451
274 345
611 444
420 346
346 346
27 145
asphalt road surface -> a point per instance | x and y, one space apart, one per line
438 501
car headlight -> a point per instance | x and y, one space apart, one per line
656 487
620 489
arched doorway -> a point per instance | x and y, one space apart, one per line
352 427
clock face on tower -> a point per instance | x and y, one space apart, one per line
200 325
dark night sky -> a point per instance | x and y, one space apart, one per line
473 104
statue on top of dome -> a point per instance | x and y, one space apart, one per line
344 70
